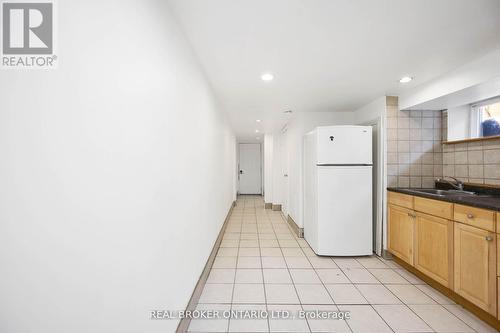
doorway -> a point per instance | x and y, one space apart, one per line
250 168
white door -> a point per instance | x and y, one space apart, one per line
250 169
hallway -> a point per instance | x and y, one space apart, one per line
262 266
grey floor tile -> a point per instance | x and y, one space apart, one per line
242 324
221 275
281 294
277 276
410 294
345 294
313 294
467 317
333 275
210 325
440 319
293 324
329 323
304 276
387 276
216 293
359 275
249 275
364 319
401 319
434 294
377 294
249 294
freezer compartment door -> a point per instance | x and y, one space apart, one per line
344 145
345 211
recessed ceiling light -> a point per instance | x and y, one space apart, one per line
257 131
405 79
267 77
258 120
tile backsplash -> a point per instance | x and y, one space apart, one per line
414 150
416 155
473 162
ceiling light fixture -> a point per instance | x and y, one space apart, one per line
257 131
258 120
267 77
405 79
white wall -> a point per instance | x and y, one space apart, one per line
369 114
459 123
300 124
268 168
277 172
371 111
117 173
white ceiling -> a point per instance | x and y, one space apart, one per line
328 55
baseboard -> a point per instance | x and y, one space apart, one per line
483 315
386 254
268 205
195 296
276 207
296 229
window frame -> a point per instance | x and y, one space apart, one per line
476 116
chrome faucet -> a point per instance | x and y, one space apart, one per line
458 185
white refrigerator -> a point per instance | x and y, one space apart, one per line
338 190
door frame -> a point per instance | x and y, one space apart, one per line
260 167
285 170
378 182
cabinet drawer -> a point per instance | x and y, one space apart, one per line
481 218
434 207
400 199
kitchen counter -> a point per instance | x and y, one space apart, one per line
486 201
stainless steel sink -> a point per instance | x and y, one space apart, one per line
443 193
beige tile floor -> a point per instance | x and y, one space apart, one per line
261 265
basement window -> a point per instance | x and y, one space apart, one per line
485 118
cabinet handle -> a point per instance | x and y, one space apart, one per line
489 238
470 216
412 215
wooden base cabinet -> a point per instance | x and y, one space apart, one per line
400 233
475 266
434 248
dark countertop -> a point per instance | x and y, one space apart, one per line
486 201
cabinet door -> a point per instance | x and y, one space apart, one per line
475 267
400 230
434 248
